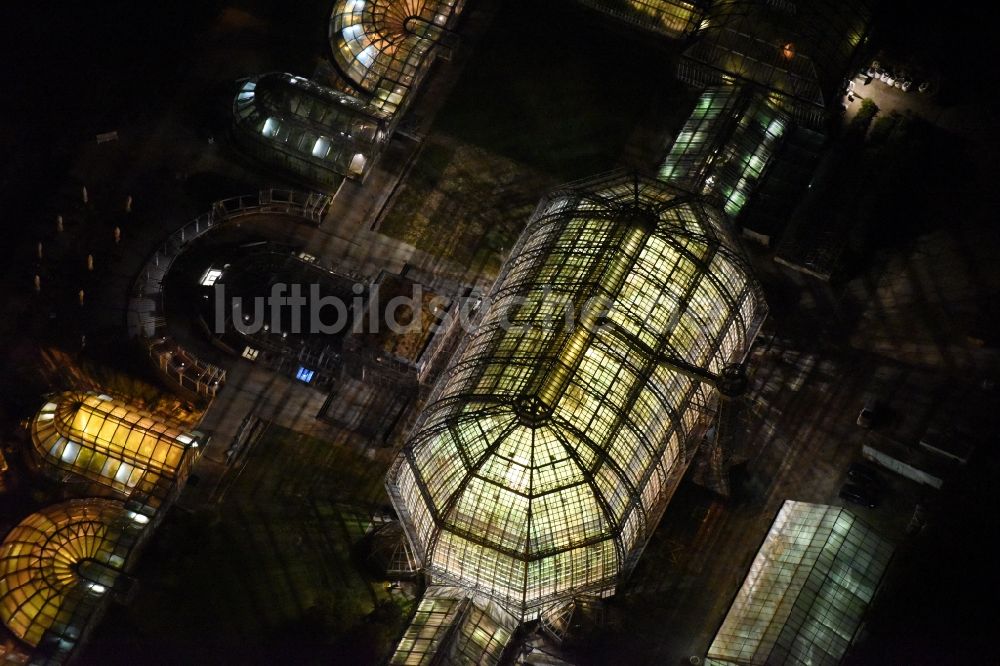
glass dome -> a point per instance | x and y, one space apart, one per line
58 567
384 47
563 425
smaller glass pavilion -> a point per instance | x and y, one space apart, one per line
58 568
383 48
807 590
95 437
320 134
452 627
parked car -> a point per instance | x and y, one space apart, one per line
868 414
858 494
863 474
907 85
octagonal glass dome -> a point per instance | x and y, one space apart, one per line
564 423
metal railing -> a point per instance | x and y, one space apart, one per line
185 369
145 316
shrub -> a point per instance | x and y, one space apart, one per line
863 120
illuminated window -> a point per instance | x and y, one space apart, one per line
726 146
807 590
210 277
673 18
271 127
312 130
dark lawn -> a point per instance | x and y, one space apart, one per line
270 576
561 90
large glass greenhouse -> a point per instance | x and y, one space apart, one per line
564 423
383 48
673 18
726 145
800 52
100 439
318 133
58 568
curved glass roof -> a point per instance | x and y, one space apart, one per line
109 442
309 125
58 566
549 451
383 47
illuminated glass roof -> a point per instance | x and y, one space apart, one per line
807 590
318 132
726 145
109 442
384 47
673 18
58 567
548 452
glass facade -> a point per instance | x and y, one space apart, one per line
106 441
59 566
800 51
560 430
726 145
807 590
673 18
450 628
318 133
383 48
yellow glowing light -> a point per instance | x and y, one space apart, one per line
109 442
55 562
